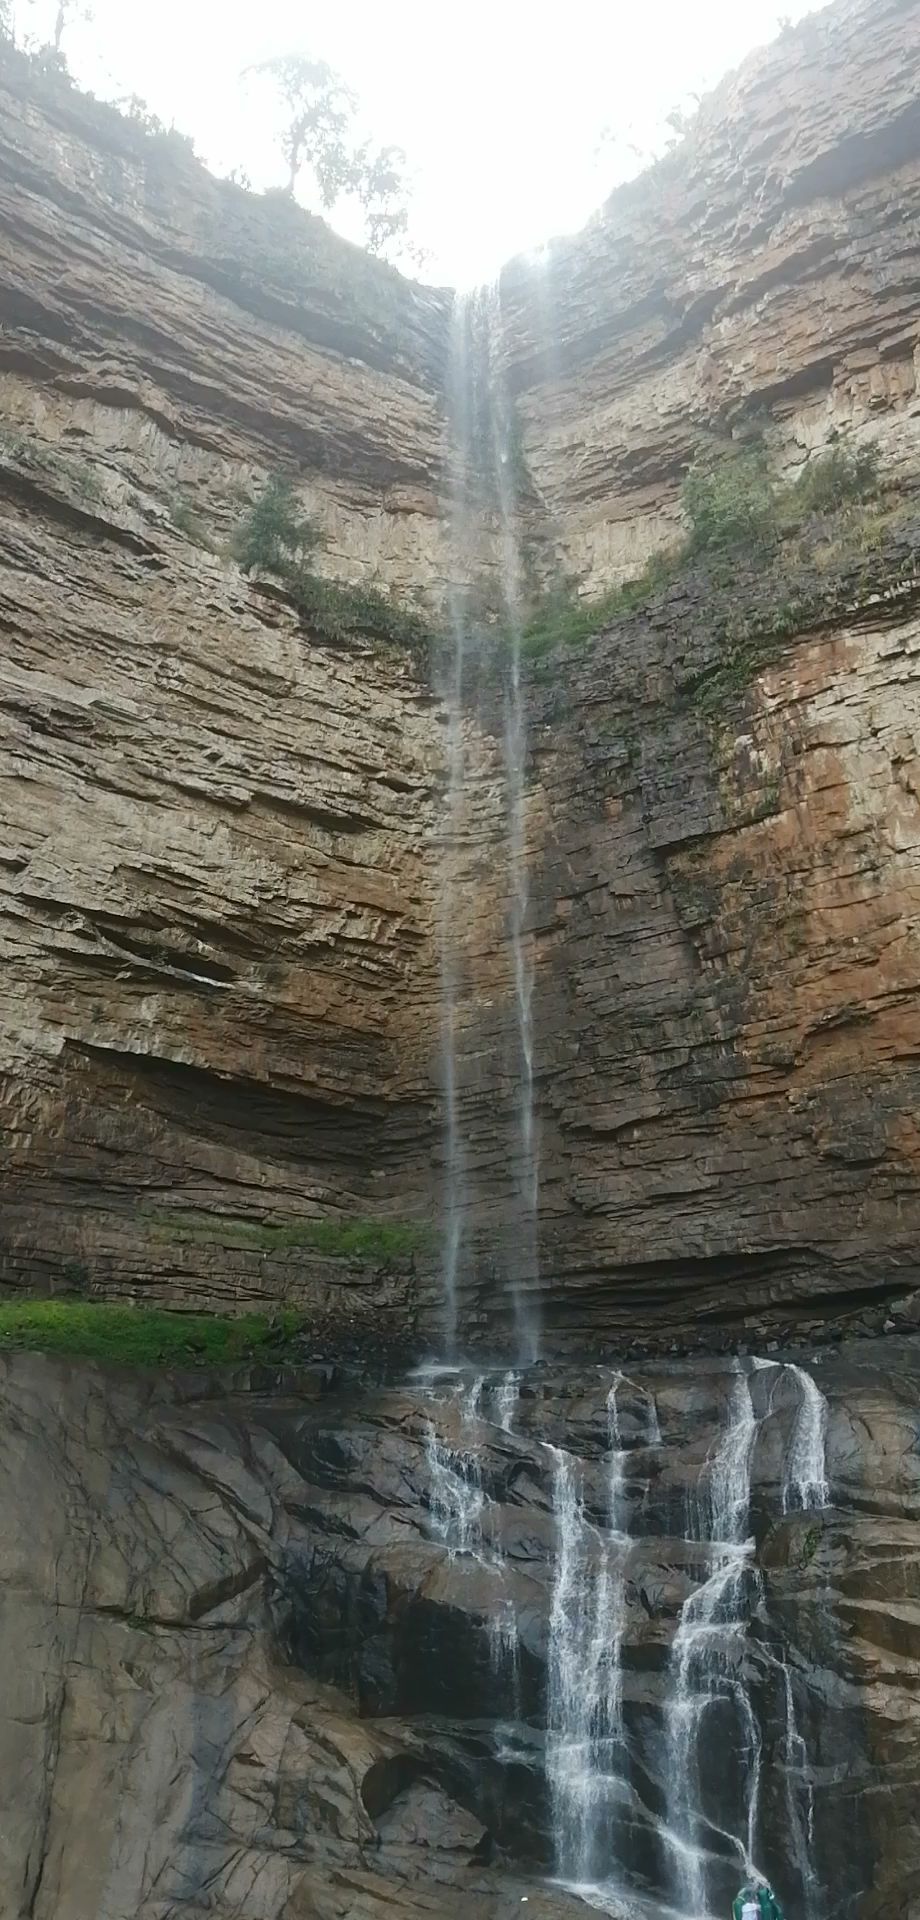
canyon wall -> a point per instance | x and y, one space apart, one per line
220 834
723 809
765 268
219 979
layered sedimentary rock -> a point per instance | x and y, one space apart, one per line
250 1671
767 267
722 809
222 836
726 917
219 975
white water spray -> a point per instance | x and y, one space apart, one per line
586 1742
457 1502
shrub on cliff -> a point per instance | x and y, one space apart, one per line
276 538
728 498
835 478
275 535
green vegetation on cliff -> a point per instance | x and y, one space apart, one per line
783 542
379 1240
145 1336
276 538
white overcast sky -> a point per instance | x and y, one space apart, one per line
500 104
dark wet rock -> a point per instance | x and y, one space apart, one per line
247 1673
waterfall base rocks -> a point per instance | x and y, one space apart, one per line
260 1664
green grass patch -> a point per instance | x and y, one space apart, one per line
562 620
343 1240
144 1336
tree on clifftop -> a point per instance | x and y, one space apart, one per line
68 10
320 109
318 135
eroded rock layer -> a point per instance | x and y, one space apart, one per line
216 906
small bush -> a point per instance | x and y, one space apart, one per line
727 498
275 535
832 479
276 538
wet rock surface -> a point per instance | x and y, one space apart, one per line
279 1655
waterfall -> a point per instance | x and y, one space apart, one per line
586 1743
506 1399
713 1741
805 1482
707 1648
451 689
798 1787
483 489
525 1272
456 1500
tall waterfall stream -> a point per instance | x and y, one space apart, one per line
705 1832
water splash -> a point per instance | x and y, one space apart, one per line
507 1395
457 1502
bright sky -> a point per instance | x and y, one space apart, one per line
500 104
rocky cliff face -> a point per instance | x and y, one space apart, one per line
723 823
216 911
219 1010
765 268
252 1670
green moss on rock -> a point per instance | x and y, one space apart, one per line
145 1336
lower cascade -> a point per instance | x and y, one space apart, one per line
638 1658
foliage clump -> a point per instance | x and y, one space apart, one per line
144 1336
277 539
347 1239
733 507
727 498
835 478
275 536
318 134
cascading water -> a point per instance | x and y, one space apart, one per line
590 1770
705 1655
586 1745
482 491
604 1832
457 1502
805 1478
452 692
